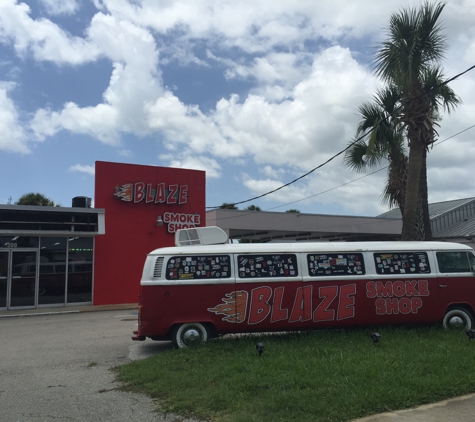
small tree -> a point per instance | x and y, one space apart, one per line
228 206
253 208
293 210
36 199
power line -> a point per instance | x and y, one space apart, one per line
328 190
362 177
343 150
343 184
450 137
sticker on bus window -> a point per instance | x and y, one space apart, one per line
255 266
402 263
335 264
199 267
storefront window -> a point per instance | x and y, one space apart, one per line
52 277
3 278
80 269
13 242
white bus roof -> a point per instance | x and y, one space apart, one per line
314 247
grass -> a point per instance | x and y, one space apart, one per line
330 375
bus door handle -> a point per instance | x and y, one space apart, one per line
443 286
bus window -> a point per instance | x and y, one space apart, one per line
253 266
198 267
335 264
453 262
471 259
401 263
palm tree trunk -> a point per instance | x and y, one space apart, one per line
396 185
414 165
424 198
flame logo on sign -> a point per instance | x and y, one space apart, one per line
234 307
125 192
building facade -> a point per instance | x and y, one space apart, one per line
46 255
59 256
144 206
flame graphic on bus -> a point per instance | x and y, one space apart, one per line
233 307
125 192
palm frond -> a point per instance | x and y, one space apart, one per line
359 157
415 42
441 95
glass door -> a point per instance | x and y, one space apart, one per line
4 257
22 290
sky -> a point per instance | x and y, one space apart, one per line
255 92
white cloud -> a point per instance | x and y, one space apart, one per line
211 166
269 171
13 137
60 7
98 122
134 82
83 169
323 189
126 153
44 39
187 126
252 25
309 127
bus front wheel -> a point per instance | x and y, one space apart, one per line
458 319
189 335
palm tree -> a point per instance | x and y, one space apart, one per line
36 199
380 139
409 61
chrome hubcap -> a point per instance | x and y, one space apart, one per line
456 322
191 336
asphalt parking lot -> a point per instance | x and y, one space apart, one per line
58 368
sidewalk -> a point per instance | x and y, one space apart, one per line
458 409
65 310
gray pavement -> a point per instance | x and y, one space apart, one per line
55 365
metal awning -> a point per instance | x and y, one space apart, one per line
50 221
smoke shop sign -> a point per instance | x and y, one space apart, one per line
152 193
177 221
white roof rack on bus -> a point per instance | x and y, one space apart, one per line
201 236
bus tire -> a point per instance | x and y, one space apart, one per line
458 319
189 335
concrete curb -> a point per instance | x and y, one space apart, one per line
66 310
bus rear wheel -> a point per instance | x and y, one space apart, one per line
458 319
189 335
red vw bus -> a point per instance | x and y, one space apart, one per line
204 287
